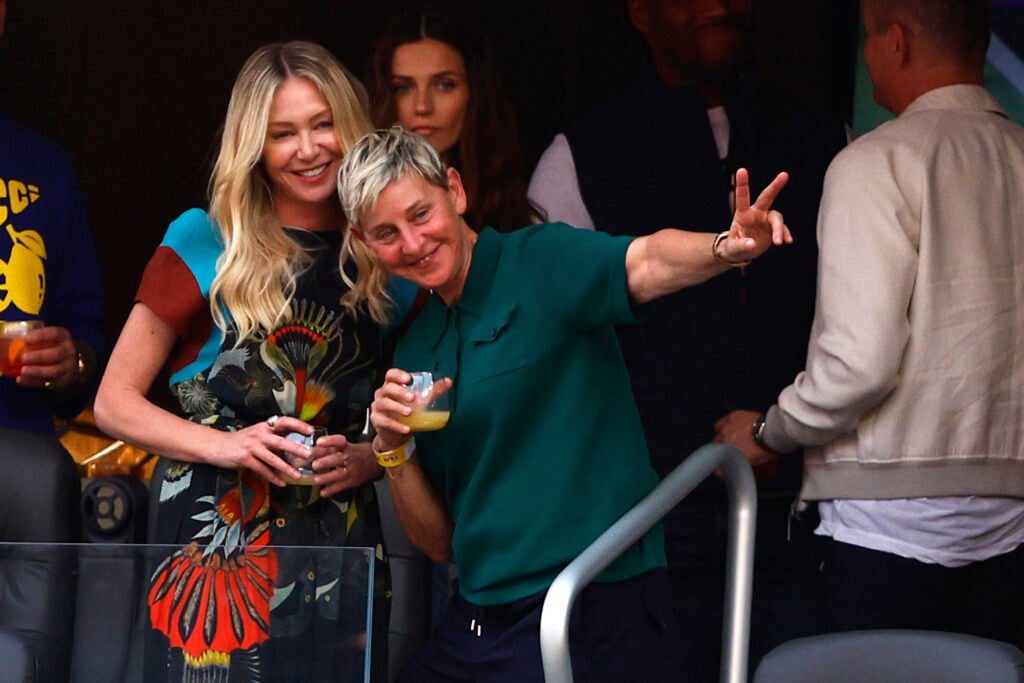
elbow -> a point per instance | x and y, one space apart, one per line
105 412
437 547
439 554
820 409
436 551
436 544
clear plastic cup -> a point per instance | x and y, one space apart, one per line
305 467
431 409
12 344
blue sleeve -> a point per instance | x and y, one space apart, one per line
74 291
176 287
196 240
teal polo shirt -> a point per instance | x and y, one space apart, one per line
544 449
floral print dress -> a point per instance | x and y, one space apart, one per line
226 606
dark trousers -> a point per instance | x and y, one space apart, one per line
872 589
789 588
618 632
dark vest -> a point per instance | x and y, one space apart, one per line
646 159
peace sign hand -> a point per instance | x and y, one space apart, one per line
754 228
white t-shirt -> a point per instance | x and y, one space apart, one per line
555 188
951 531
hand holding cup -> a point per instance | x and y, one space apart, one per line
430 408
12 344
305 467
397 402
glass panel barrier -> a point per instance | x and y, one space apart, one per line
137 612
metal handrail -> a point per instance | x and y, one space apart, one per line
742 491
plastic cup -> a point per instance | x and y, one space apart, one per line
431 409
12 344
305 467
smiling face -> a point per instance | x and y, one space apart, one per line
416 230
431 91
301 154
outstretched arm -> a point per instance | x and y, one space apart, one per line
669 260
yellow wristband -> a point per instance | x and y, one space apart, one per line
398 456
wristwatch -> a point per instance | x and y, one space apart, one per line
81 377
757 432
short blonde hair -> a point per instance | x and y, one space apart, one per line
379 159
374 162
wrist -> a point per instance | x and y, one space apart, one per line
757 433
396 456
716 252
80 376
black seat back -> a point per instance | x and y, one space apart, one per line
39 499
892 656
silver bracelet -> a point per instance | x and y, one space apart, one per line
714 252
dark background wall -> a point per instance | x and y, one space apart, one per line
135 90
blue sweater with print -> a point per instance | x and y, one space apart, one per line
48 264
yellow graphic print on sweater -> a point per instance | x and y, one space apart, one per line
22 275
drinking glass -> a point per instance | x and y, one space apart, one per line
430 407
305 467
12 344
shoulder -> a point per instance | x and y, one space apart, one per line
195 242
884 170
182 267
193 230
558 245
891 151
539 236
36 160
859 166
556 159
24 142
621 105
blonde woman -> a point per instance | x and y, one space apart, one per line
246 307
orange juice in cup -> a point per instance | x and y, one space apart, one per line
12 344
430 407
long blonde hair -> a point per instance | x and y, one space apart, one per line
370 287
256 274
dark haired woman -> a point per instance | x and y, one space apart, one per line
434 75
